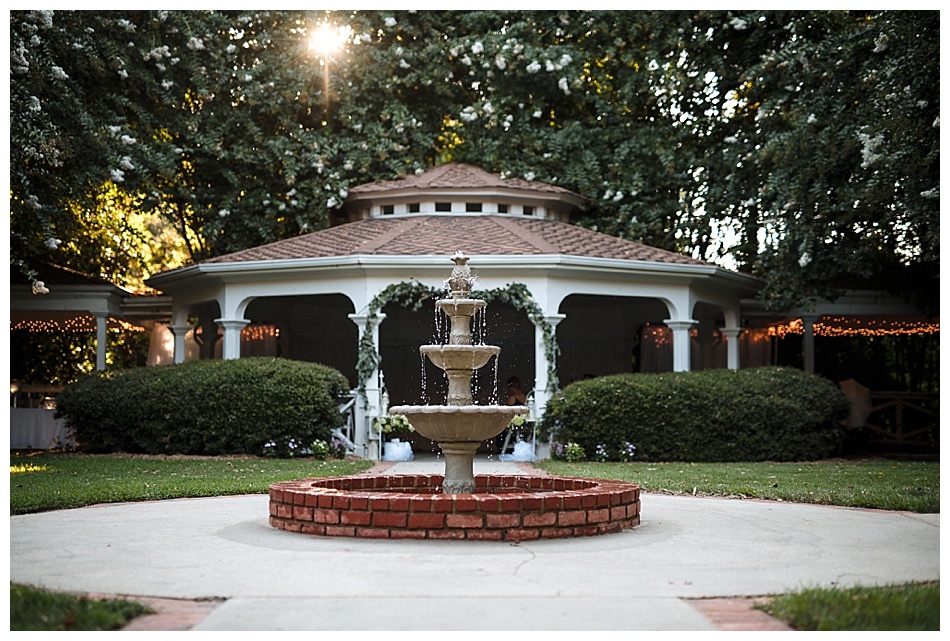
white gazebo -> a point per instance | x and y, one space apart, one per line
566 302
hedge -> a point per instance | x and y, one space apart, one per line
206 407
758 414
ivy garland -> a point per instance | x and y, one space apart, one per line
413 295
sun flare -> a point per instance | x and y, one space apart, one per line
326 38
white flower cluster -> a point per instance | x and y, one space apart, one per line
58 73
738 23
39 287
52 243
869 149
195 44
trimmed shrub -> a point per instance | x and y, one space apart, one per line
759 414
206 407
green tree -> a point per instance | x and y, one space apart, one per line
803 145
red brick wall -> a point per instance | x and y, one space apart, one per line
503 508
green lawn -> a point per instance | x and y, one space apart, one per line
889 485
57 481
902 607
35 609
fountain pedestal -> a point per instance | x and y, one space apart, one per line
459 467
459 427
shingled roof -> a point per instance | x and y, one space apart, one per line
440 234
457 176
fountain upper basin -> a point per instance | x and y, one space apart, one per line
459 357
459 423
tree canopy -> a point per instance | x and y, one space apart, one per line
802 147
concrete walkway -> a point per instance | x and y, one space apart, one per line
250 576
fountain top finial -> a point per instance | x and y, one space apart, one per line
461 281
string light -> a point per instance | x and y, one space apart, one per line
74 324
844 326
260 333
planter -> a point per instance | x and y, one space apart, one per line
396 450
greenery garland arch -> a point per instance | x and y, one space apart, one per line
413 295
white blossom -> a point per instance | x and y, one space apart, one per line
420 171
224 213
404 64
343 193
127 139
564 61
618 196
58 73
534 67
804 260
608 194
118 175
880 43
548 65
931 193
123 74
738 23
390 22
731 140
35 104
465 60
125 24
529 176
157 53
18 61
39 287
812 119
52 243
126 163
34 202
195 44
500 62
332 202
231 48
537 114
348 165
167 84
869 148
468 114
478 47
562 83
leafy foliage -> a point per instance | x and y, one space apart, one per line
803 146
207 407
759 414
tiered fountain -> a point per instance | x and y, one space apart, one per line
459 427
458 504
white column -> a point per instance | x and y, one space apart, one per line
179 332
808 321
543 387
680 329
366 439
731 334
231 349
102 319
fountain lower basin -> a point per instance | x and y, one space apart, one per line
412 506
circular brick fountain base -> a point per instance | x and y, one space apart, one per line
411 506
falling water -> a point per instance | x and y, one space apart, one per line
494 394
424 395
